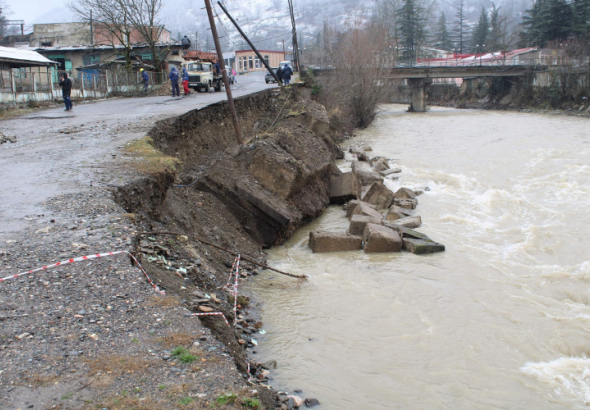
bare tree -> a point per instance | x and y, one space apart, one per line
359 55
110 21
144 15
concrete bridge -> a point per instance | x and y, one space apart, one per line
420 77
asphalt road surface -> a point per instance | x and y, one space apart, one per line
60 152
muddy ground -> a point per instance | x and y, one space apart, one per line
95 334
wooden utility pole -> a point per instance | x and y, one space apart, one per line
230 98
294 30
250 43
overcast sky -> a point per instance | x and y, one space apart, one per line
39 11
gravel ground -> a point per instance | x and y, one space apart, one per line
94 334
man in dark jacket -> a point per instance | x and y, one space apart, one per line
186 43
145 78
66 90
174 80
280 74
287 73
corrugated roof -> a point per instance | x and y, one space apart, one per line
19 55
105 46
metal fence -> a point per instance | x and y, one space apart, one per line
23 86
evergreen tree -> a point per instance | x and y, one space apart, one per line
480 33
581 17
412 28
443 38
547 20
461 30
495 37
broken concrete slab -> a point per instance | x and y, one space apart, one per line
342 188
350 207
358 223
397 212
321 241
368 177
405 193
406 203
390 171
409 222
421 246
379 195
379 238
363 208
380 165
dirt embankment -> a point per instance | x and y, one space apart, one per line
242 198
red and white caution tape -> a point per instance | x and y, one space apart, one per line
212 314
85 258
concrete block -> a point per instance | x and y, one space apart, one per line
378 238
320 241
368 177
358 223
342 188
397 212
350 207
390 171
363 208
408 222
380 165
405 193
406 203
421 246
379 195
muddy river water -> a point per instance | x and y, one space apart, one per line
500 320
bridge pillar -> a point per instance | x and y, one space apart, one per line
418 86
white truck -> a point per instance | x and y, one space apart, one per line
202 76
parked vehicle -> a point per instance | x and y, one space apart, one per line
202 76
268 77
285 63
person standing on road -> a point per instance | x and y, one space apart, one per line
217 68
233 72
145 78
279 74
174 80
66 90
287 73
185 81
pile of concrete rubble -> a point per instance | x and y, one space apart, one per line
380 220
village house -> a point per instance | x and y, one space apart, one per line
75 46
248 61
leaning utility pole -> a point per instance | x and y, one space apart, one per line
295 45
251 45
230 98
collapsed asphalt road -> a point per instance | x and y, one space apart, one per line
59 152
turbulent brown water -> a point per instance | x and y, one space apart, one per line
499 320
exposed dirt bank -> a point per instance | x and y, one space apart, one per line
241 198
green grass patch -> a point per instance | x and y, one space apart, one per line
67 396
161 387
184 355
148 160
185 401
251 403
227 398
